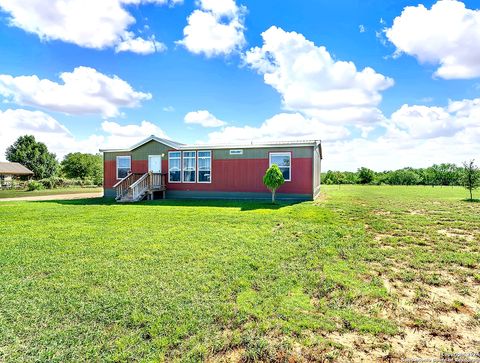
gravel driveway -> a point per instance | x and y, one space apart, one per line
55 197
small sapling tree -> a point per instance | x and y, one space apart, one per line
273 179
471 177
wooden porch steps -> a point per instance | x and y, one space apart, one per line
136 187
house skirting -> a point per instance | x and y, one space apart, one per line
181 194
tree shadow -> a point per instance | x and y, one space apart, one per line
243 205
468 200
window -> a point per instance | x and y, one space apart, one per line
174 166
204 166
236 152
283 162
189 166
124 165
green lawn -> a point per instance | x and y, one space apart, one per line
8 193
348 276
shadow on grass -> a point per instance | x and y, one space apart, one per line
468 200
243 205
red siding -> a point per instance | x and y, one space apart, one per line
109 177
231 175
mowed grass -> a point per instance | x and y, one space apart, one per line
12 193
90 280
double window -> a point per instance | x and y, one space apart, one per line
189 166
174 166
124 165
283 160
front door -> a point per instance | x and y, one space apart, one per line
155 163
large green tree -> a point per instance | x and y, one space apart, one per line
83 166
365 175
34 155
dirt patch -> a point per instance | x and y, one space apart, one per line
457 233
417 212
381 212
55 197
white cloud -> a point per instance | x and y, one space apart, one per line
168 109
122 136
18 122
84 91
215 29
283 126
140 45
203 118
143 130
310 81
416 136
87 23
447 34
361 28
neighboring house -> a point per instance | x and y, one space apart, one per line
169 169
10 171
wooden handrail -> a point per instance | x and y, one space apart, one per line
135 185
122 180
139 180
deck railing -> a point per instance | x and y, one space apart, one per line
123 185
134 186
139 188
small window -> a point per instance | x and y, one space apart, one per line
204 166
189 166
236 152
124 165
174 166
283 160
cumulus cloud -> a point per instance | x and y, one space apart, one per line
18 122
310 81
143 130
215 29
415 136
139 45
87 23
283 126
203 118
84 91
447 34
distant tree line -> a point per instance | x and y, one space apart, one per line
76 169
435 175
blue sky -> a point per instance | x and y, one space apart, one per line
418 105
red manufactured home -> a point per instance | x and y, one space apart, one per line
158 167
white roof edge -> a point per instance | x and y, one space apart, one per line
179 146
167 142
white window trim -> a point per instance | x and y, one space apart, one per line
289 153
181 167
116 165
195 159
198 168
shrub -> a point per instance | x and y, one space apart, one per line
50 183
273 179
34 185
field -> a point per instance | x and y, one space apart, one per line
364 272
12 193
